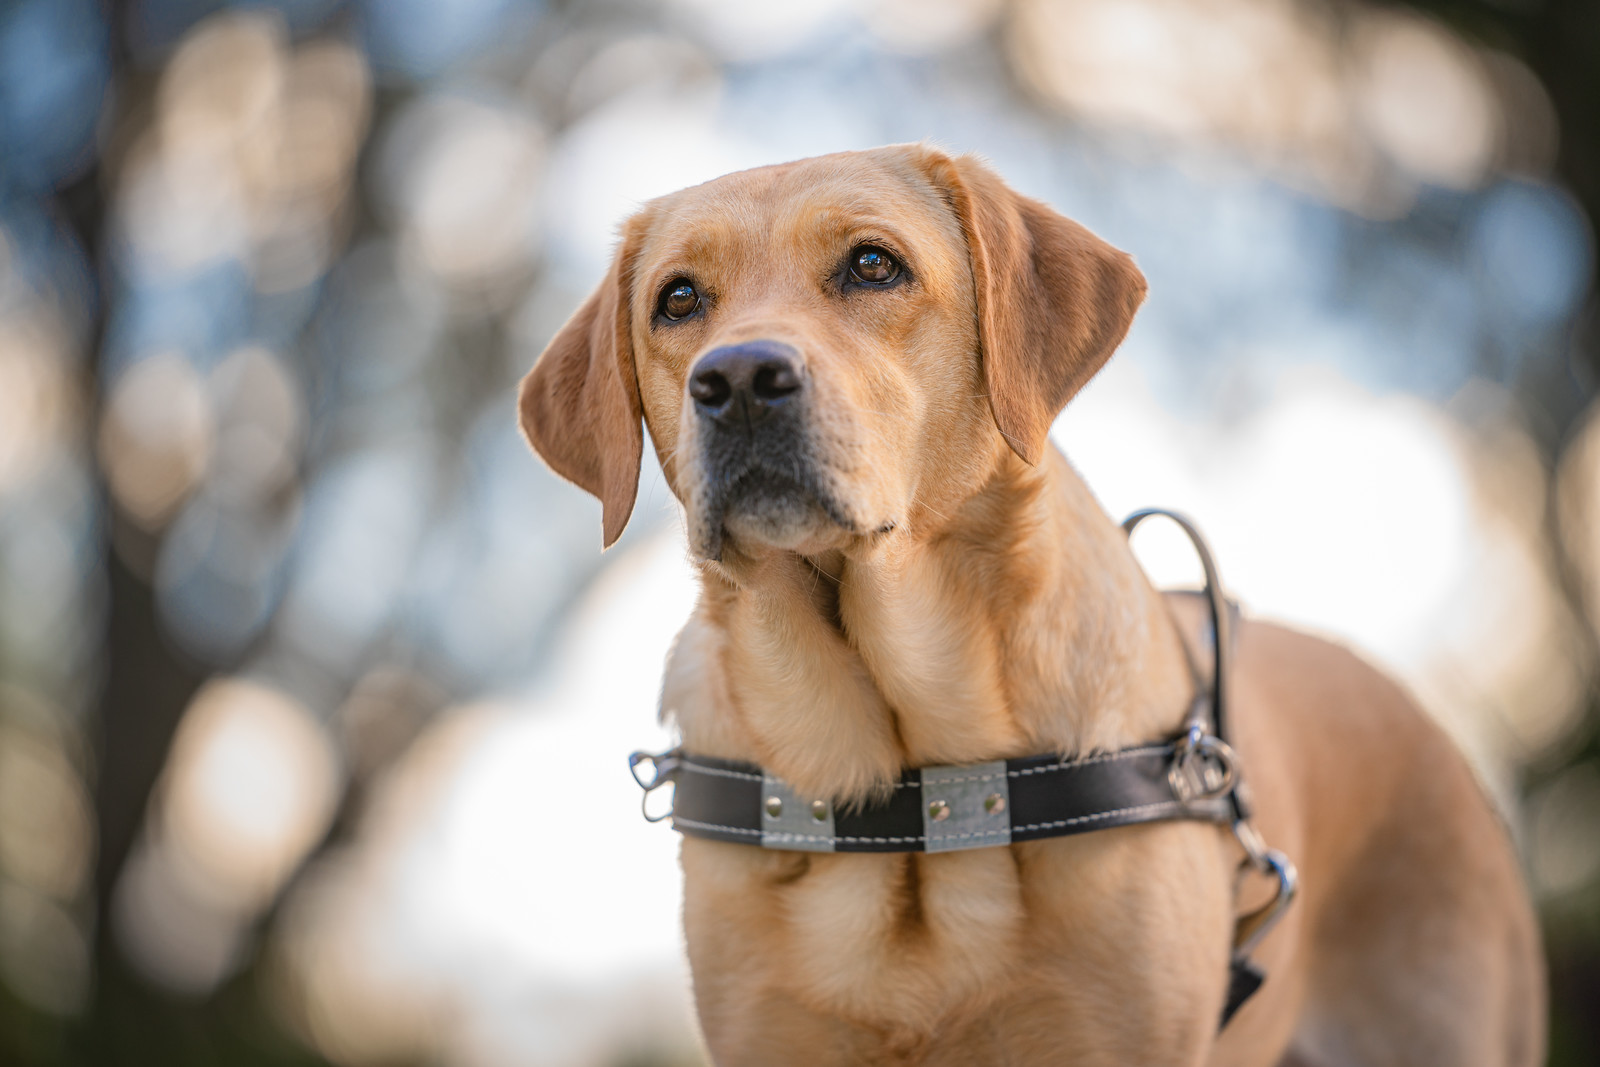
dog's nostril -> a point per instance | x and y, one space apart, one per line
775 381
745 383
710 388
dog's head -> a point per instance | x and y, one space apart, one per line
827 350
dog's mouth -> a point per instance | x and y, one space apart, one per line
761 504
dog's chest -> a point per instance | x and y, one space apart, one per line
896 940
941 674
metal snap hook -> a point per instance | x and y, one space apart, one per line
1251 929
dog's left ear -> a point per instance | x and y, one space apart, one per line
579 405
1054 300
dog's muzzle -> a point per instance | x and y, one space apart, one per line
751 404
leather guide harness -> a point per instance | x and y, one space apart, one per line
937 809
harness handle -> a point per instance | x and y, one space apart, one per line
1245 977
1215 601
1221 642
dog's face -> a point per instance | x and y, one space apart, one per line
829 350
805 340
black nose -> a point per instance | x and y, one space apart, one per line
743 384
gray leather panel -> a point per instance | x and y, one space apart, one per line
795 827
978 801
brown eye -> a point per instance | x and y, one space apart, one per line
679 300
872 264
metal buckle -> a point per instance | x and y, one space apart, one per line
1203 766
663 765
1250 929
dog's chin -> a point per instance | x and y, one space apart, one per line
770 514
785 525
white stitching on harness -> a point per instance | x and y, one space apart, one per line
848 838
855 840
1109 758
1069 765
703 769
1140 808
970 833
698 825
974 778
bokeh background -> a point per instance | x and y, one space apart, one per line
314 685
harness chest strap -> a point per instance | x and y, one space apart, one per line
942 809
935 809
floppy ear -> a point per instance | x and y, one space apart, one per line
580 403
1054 300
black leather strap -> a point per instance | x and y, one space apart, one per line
937 808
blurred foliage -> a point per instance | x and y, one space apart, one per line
1560 41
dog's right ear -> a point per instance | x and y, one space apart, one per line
580 404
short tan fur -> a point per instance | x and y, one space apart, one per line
947 590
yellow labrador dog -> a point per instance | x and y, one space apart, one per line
848 366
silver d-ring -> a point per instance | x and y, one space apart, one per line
1216 773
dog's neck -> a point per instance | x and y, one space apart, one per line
1019 624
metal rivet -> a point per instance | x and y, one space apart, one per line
938 811
819 811
774 807
994 803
